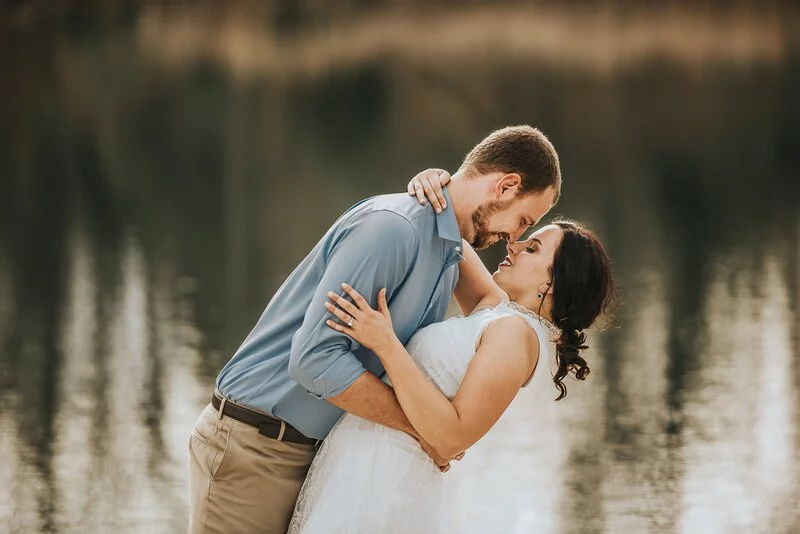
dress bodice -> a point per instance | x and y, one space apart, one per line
444 350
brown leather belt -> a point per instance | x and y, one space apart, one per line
268 426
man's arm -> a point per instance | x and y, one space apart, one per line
372 399
374 251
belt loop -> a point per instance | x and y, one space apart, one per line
222 406
283 429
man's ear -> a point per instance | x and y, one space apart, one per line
508 185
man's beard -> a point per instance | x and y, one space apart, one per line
480 221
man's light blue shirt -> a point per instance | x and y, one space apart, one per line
291 361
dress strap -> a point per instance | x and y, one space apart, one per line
545 331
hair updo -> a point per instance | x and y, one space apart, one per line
583 289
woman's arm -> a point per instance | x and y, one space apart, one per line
505 358
499 368
475 285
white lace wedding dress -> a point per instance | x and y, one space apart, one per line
369 479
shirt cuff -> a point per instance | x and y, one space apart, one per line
337 378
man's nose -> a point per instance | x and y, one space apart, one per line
514 236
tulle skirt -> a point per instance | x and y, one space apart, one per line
366 479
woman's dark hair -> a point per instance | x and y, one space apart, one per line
583 289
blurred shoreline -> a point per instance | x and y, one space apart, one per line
610 39
311 38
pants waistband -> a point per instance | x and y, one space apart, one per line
267 425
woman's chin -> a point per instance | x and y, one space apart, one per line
500 279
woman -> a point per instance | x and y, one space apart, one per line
454 379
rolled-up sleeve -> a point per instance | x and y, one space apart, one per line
374 251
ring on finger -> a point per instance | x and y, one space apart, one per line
350 322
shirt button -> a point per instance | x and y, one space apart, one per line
458 249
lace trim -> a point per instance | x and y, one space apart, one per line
555 331
483 308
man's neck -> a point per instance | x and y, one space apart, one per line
461 193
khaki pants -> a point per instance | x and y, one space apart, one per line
240 481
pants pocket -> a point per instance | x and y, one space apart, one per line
219 445
199 437
209 441
206 425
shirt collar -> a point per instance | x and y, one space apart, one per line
446 223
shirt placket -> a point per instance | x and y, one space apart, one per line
454 256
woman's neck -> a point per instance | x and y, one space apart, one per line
541 308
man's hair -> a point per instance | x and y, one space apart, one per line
518 149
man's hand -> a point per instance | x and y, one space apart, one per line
429 184
442 463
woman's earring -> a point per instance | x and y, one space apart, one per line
539 295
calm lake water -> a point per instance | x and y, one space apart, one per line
163 170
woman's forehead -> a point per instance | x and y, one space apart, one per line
547 234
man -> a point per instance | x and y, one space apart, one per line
292 378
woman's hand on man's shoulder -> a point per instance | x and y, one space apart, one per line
428 185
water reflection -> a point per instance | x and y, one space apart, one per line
741 441
643 455
147 218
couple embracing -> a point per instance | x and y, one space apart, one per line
343 408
